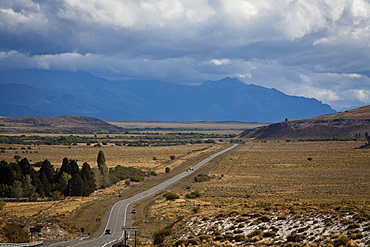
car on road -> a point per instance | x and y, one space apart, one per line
107 231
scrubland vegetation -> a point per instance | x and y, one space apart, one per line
277 193
262 194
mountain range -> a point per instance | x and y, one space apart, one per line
49 93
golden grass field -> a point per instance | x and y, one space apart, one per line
140 157
279 175
203 127
268 175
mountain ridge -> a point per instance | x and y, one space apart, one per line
56 93
56 123
350 124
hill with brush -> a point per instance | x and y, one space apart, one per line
343 125
67 123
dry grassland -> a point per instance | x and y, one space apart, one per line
140 157
60 212
293 183
45 208
279 174
203 127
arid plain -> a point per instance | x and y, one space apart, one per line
273 179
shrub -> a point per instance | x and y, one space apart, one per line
269 234
294 237
196 210
15 233
353 226
193 194
171 196
159 236
205 218
229 236
205 237
152 173
202 178
188 242
342 241
265 218
219 238
239 238
255 233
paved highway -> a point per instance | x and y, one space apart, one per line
117 216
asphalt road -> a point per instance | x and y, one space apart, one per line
118 213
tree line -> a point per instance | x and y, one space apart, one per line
19 179
154 139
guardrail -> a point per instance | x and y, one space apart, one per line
22 244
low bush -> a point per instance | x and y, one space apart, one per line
294 237
15 233
171 196
159 236
240 238
342 241
193 194
255 233
269 234
202 178
264 218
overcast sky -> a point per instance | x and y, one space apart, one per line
311 48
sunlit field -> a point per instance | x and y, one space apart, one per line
281 186
286 173
140 157
307 171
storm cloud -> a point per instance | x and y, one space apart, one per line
311 48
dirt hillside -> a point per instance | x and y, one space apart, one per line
350 124
55 123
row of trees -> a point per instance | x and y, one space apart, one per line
174 138
20 179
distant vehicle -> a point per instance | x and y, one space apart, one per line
107 231
133 211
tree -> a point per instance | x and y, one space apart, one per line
25 166
64 168
63 182
17 157
87 176
76 185
45 189
74 167
5 190
103 169
17 190
28 188
48 169
6 173
168 170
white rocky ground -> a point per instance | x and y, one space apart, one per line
309 228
